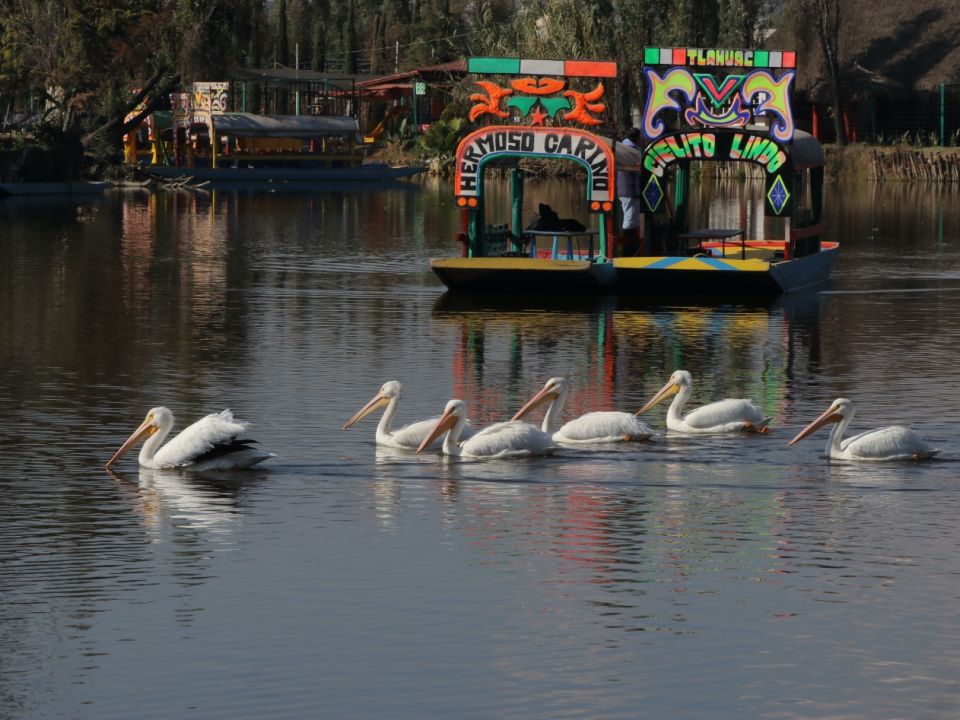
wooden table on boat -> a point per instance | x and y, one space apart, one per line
721 234
556 235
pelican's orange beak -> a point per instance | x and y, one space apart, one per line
146 429
377 402
831 415
541 397
671 388
446 421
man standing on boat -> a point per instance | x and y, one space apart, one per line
629 194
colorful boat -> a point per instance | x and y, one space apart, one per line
203 142
561 101
726 106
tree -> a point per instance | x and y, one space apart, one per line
377 50
318 45
281 55
93 65
299 27
828 17
62 50
634 28
206 41
690 22
738 22
487 24
350 39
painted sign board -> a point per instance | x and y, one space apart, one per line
719 145
498 141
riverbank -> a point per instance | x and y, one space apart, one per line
923 164
866 162
870 162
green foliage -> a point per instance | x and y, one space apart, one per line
78 61
604 29
281 54
73 59
435 39
439 143
399 132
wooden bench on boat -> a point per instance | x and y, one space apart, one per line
570 235
721 234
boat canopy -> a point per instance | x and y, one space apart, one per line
806 151
162 119
628 159
284 126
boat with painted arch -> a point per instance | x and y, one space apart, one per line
701 107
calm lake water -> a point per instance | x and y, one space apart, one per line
714 577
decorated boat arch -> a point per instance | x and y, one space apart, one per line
708 105
534 108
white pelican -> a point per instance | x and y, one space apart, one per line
407 437
717 417
505 439
890 443
594 427
211 443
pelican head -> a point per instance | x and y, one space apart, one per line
454 413
840 409
679 381
389 391
158 420
553 389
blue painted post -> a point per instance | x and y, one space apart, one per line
474 232
516 193
605 219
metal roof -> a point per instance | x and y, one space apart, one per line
283 126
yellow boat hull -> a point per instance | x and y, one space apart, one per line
523 274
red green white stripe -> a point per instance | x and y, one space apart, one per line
534 66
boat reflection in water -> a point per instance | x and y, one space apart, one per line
614 522
613 350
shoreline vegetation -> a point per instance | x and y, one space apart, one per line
873 163
876 163
76 77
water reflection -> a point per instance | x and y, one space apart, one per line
640 550
170 501
615 351
818 584
389 464
654 555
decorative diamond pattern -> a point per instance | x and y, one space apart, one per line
778 195
653 193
